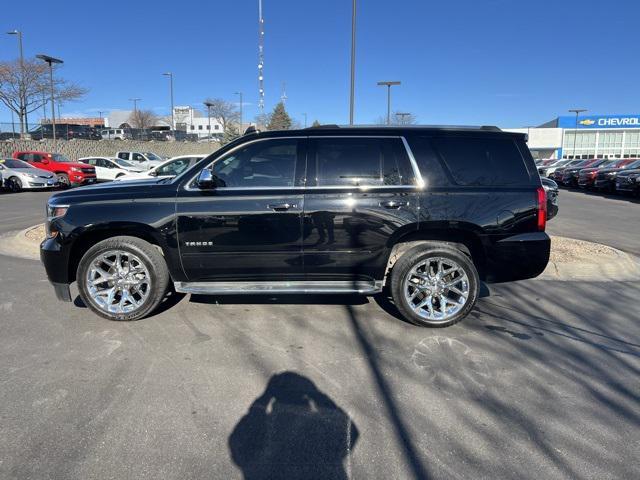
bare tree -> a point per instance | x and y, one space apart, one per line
30 82
226 112
142 119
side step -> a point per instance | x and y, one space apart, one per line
251 288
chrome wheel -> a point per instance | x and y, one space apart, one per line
118 282
436 288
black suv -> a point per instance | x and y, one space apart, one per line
426 212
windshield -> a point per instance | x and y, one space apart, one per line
11 163
57 157
635 164
152 156
123 163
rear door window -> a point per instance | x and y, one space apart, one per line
361 162
477 161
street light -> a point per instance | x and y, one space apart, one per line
305 120
51 61
135 104
402 116
577 111
170 75
353 61
389 85
209 105
240 93
22 106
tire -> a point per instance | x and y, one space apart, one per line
14 184
63 180
405 283
150 272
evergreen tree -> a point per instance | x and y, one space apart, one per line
280 119
315 123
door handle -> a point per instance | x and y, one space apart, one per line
280 207
393 204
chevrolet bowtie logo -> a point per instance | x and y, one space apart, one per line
586 122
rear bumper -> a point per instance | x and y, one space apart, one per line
517 257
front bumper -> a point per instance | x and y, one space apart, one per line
55 260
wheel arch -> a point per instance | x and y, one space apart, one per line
461 237
87 238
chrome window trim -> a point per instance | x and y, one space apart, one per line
420 183
414 166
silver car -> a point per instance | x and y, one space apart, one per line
18 175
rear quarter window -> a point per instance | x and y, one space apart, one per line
476 161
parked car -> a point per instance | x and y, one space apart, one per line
552 190
63 131
606 177
68 173
145 160
587 176
556 176
257 216
17 175
110 168
115 134
9 136
628 181
170 168
570 174
549 169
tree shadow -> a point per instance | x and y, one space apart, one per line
293 431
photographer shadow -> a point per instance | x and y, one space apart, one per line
293 431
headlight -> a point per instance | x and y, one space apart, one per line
56 211
611 174
76 169
31 175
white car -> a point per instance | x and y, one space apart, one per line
115 134
110 168
144 160
18 175
170 168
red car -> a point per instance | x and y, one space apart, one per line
587 176
68 173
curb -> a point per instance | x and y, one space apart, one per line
620 267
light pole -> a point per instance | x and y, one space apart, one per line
389 84
209 105
21 93
305 120
240 93
170 75
51 61
135 104
577 111
100 115
353 61
402 116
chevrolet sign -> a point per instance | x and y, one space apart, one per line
600 121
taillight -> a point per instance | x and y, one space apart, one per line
542 209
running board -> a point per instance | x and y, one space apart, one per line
250 288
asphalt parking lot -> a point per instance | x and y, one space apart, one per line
541 381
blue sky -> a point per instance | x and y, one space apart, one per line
509 63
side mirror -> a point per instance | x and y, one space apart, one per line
153 174
206 180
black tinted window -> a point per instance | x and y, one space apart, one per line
482 161
361 161
427 160
269 163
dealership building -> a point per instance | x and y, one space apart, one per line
591 136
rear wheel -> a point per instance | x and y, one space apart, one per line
63 180
122 278
435 285
15 184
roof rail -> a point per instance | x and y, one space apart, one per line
328 125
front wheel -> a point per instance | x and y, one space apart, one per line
15 185
63 180
122 278
434 285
